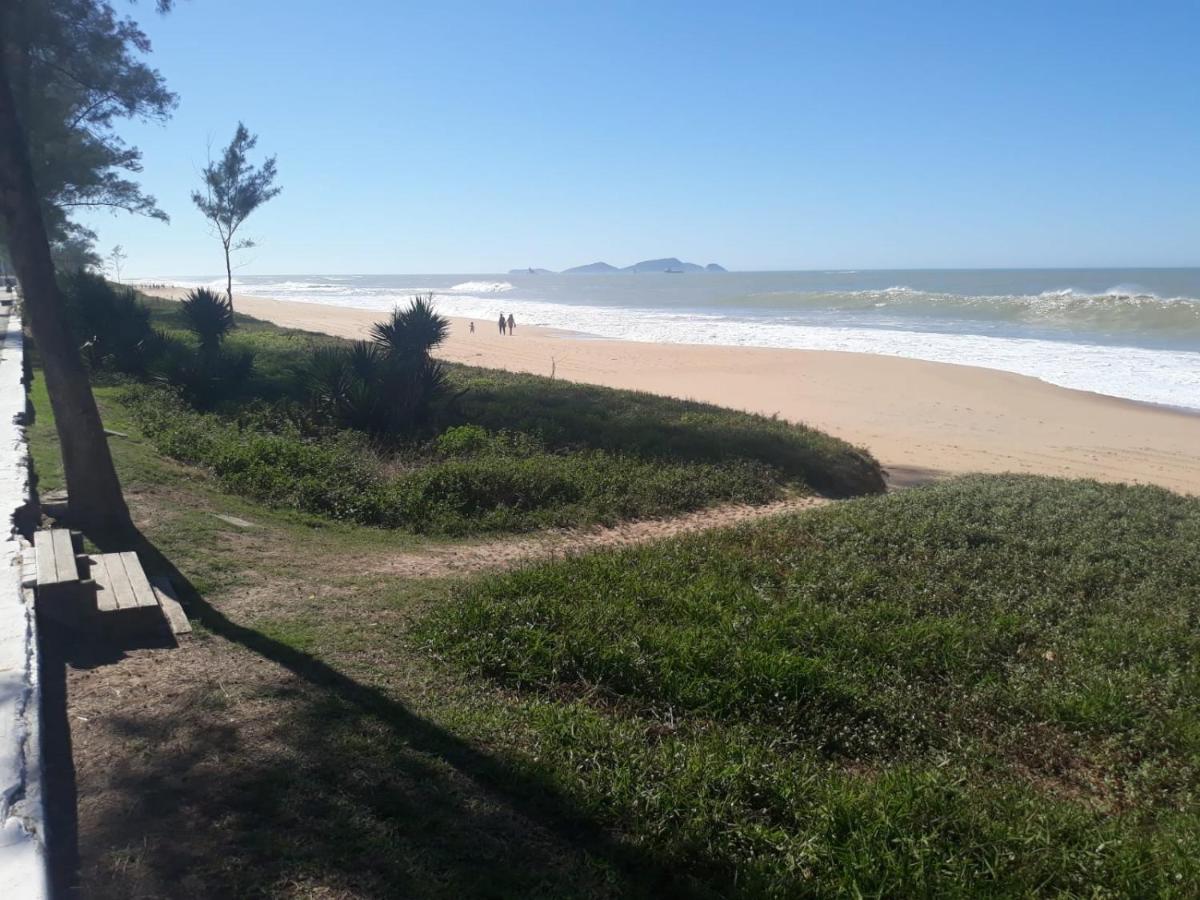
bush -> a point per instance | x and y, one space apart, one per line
463 440
386 387
111 326
209 317
204 378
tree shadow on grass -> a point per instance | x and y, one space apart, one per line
346 793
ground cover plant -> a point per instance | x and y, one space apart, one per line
466 480
991 685
436 448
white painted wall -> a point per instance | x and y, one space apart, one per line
23 869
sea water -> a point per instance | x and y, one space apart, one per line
1132 333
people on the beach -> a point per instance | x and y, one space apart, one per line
512 323
472 328
502 323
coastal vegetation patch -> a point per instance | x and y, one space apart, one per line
991 685
381 433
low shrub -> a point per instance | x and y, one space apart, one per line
498 491
112 327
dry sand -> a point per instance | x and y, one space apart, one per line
921 420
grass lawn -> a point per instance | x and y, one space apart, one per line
988 686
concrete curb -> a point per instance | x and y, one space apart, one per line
23 861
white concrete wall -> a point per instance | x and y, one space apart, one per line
23 866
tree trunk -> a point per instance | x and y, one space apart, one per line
228 278
95 502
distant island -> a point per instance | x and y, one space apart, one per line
669 265
591 268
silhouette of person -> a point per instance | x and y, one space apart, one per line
502 323
512 324
472 328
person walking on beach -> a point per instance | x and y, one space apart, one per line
502 323
512 324
472 328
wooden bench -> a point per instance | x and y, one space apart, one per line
123 595
60 593
106 589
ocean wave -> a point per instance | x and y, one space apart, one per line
1114 311
481 287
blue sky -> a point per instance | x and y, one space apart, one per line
478 137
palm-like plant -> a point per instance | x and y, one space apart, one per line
413 331
209 316
386 386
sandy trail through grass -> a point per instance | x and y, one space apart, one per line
509 552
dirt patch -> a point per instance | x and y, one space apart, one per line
221 769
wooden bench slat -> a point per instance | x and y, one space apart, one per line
120 585
171 608
106 599
143 594
47 567
64 555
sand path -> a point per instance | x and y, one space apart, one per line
511 552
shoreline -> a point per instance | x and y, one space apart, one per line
921 420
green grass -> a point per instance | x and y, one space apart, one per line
989 686
506 483
565 414
148 477
551 454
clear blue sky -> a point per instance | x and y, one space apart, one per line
477 137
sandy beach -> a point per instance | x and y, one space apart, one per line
922 420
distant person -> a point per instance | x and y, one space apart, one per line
502 323
512 324
472 328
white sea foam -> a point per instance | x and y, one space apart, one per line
1154 376
482 287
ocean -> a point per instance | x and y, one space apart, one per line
1132 333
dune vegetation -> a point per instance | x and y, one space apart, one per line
425 446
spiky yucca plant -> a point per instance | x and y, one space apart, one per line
209 316
387 386
413 331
